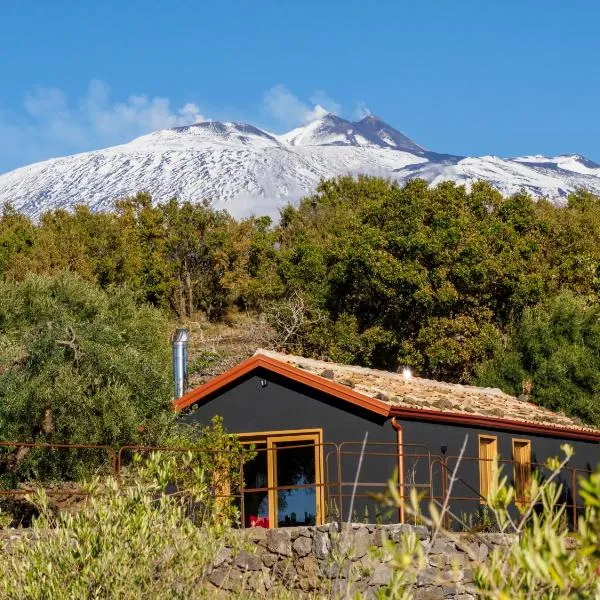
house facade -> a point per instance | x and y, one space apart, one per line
327 438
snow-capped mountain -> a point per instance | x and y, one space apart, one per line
247 170
335 131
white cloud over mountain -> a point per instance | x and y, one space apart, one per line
54 124
288 110
361 110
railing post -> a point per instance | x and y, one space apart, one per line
444 464
574 497
340 491
113 456
242 505
119 465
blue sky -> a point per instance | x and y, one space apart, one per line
461 76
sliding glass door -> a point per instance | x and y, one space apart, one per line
283 483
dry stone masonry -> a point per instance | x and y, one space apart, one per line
315 562
310 560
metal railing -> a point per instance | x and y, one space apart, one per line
332 479
568 478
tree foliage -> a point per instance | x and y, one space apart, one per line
552 357
79 365
424 276
364 271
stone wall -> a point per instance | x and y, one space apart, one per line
321 562
320 559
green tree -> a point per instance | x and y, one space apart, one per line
199 247
17 234
425 276
79 365
552 355
573 243
387 274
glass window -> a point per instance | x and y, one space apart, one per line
295 467
256 502
488 451
282 483
522 468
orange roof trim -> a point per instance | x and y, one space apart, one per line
259 360
374 405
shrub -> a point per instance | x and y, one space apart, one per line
132 542
543 561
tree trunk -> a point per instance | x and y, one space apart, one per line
181 299
190 291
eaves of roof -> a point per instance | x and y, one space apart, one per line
379 407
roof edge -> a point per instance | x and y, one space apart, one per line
260 360
215 383
372 404
439 416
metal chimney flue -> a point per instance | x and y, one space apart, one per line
179 343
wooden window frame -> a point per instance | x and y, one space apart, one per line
486 466
522 480
271 439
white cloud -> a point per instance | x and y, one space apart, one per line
53 125
42 101
361 111
190 109
321 98
280 104
138 115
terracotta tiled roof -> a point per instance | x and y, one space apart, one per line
418 393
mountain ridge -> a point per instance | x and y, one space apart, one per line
246 169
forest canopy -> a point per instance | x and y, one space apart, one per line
456 283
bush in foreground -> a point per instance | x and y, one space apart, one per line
139 542
543 560
123 544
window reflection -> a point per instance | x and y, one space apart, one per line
281 461
295 466
256 504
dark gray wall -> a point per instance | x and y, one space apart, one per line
437 435
248 406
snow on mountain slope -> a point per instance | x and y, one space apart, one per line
565 162
540 177
335 131
247 170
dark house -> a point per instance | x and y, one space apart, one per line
329 436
